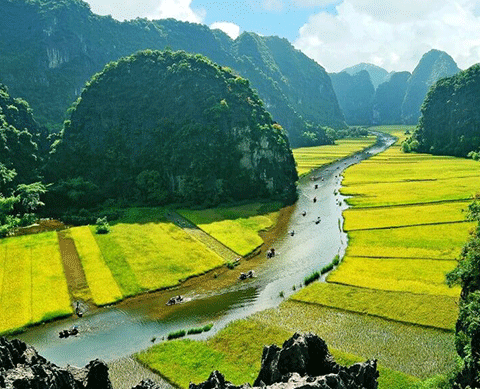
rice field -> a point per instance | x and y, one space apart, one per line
427 310
439 241
153 255
32 282
406 228
397 216
309 158
236 227
410 349
236 351
102 285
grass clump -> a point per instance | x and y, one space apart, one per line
176 334
311 278
326 268
199 330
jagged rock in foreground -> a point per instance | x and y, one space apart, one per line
302 362
22 367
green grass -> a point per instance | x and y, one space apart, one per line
236 352
33 287
236 227
151 256
100 280
427 310
309 158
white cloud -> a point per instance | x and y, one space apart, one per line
273 5
151 9
314 3
392 34
231 29
178 9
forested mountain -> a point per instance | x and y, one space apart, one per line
23 147
387 104
355 95
450 122
50 48
22 143
377 74
433 66
170 126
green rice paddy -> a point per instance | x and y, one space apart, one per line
236 351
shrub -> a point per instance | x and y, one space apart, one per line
326 268
176 334
102 226
312 277
207 327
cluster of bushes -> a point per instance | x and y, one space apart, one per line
191 331
316 275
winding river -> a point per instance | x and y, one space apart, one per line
114 332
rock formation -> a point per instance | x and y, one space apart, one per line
302 362
22 367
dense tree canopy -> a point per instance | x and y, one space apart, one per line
22 143
168 126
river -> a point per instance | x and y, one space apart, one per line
117 331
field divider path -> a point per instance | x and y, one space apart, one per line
209 241
72 266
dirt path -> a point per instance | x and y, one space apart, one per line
202 236
72 266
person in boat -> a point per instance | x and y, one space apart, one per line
315 199
292 233
318 220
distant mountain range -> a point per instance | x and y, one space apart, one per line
389 98
50 48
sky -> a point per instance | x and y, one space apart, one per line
393 34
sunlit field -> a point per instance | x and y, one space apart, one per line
153 256
422 276
309 158
385 217
32 282
236 227
439 241
100 281
236 351
427 310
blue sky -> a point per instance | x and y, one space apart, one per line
393 34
